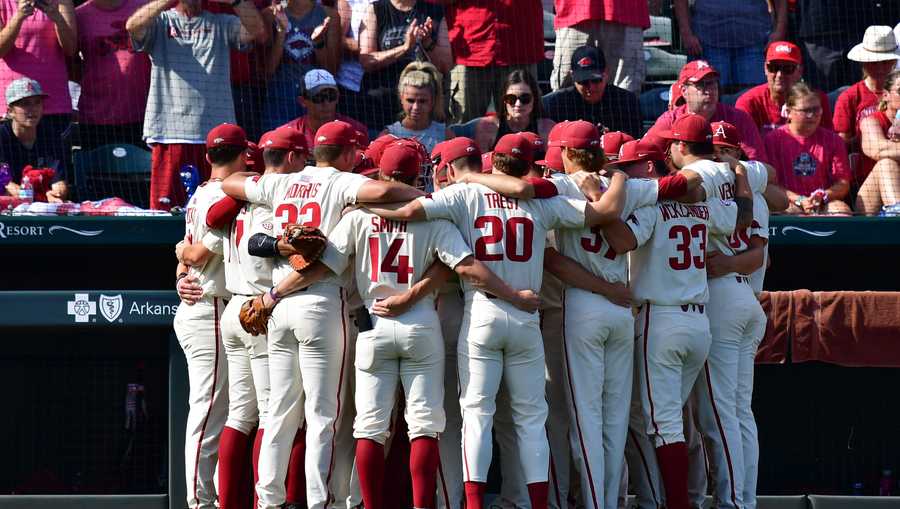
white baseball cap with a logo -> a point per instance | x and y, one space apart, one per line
316 80
23 88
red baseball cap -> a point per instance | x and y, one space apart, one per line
691 128
415 145
338 132
725 134
613 141
376 148
695 71
553 157
638 150
487 162
455 148
284 138
578 134
515 145
784 51
676 96
400 161
254 158
537 144
226 134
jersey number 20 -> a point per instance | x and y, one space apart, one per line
496 230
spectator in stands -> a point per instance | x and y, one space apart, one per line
307 36
731 35
26 141
36 39
350 73
114 78
521 111
319 96
697 91
765 103
421 94
490 40
828 27
811 160
393 34
188 48
614 26
593 98
878 54
881 144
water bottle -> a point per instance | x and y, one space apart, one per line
886 484
26 191
190 179
5 175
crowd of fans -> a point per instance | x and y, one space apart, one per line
161 74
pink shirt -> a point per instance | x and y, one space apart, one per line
37 55
751 141
807 164
767 114
116 79
633 13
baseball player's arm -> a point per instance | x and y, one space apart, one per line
485 280
267 246
296 281
408 211
589 184
377 191
609 207
513 187
574 274
620 237
746 262
432 280
186 285
198 253
233 185
223 212
775 195
743 197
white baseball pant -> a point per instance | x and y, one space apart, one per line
308 330
497 340
698 469
599 352
558 419
344 482
198 328
736 321
749 435
513 491
450 478
248 370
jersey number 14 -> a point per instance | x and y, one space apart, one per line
393 261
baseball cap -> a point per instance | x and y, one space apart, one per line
696 70
376 149
254 158
553 157
284 138
23 88
612 142
588 63
338 132
318 79
578 134
676 96
537 144
725 134
400 161
638 150
515 145
784 51
691 128
455 148
226 134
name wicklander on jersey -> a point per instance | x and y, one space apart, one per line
672 210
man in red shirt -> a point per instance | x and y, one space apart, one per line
765 103
698 85
489 41
614 26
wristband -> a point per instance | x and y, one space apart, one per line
181 276
274 295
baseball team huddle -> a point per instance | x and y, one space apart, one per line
594 312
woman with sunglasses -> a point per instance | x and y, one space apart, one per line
519 109
422 98
811 160
881 145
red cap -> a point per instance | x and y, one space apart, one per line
284 138
415 145
400 161
676 96
537 144
578 134
226 134
638 150
338 132
725 134
487 162
784 51
363 164
695 71
553 157
455 148
254 158
691 127
376 148
613 141
515 145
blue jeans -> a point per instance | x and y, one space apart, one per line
737 66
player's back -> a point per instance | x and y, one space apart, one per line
246 274
210 275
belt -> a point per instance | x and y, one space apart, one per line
742 279
693 307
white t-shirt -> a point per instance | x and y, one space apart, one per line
211 275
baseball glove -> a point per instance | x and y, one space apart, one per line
308 244
254 316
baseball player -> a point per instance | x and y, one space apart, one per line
197 324
508 235
309 330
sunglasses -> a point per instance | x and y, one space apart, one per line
328 95
592 81
774 68
808 112
511 99
708 85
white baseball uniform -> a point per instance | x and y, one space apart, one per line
308 329
198 329
450 306
736 323
391 256
599 349
508 236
